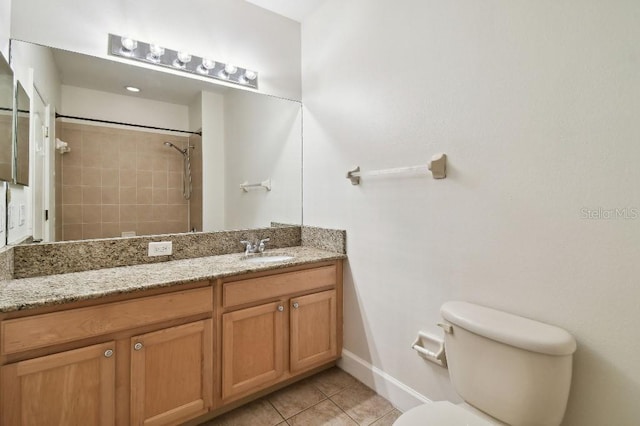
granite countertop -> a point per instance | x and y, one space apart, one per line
29 293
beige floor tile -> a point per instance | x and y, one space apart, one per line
302 404
326 413
333 381
388 419
257 413
296 398
362 404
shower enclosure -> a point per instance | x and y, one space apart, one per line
123 182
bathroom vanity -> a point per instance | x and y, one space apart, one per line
165 343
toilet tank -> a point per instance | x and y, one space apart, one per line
512 368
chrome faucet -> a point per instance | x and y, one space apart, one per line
249 247
263 244
258 247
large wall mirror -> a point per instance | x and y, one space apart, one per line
169 158
6 121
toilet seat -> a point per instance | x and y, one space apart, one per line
441 413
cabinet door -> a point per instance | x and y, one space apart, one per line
70 388
313 330
172 374
253 348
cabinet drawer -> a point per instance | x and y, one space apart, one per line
273 286
38 331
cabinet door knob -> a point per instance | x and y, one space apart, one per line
108 353
137 346
296 305
280 308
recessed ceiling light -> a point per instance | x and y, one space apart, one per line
132 89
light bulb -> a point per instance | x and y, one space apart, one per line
206 66
230 69
155 52
184 57
250 75
182 60
128 45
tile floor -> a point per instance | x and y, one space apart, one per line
332 397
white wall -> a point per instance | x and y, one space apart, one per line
262 141
5 26
537 105
195 114
81 102
213 174
29 58
229 31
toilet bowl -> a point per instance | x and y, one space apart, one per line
444 413
509 370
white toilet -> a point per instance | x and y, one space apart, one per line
508 369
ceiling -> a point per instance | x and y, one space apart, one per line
293 9
112 76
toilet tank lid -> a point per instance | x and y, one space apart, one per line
509 329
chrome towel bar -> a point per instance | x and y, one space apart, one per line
437 166
264 184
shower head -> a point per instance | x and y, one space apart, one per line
181 151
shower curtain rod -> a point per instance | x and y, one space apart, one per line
11 109
95 120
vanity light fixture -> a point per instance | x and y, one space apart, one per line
151 53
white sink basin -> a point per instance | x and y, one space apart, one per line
268 259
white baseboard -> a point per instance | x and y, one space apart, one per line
400 395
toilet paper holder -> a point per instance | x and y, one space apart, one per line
425 339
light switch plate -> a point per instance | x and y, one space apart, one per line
22 213
11 215
2 226
162 248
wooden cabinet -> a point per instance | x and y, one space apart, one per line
266 344
171 373
55 328
313 330
75 387
162 376
252 347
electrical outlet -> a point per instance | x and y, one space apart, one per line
162 248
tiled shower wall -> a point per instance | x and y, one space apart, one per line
118 180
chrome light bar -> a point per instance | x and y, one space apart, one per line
149 53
